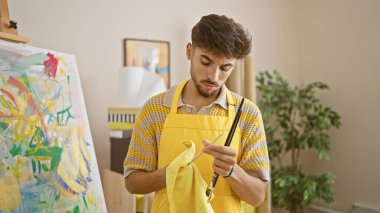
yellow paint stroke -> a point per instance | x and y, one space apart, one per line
8 104
32 79
77 155
46 102
51 105
68 165
90 198
83 146
69 180
18 164
24 124
21 162
7 121
62 72
3 79
10 196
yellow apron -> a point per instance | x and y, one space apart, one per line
182 127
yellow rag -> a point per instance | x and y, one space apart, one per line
185 186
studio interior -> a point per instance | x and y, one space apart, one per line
189 106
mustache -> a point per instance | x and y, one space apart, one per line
209 82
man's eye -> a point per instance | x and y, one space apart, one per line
205 63
225 69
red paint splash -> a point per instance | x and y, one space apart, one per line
51 65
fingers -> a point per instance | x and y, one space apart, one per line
228 158
218 151
224 157
222 164
221 167
206 142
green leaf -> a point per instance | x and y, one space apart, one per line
306 195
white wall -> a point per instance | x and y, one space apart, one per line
94 30
339 44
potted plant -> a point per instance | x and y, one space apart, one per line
295 120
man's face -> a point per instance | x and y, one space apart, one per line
208 71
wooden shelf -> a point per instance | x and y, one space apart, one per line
13 38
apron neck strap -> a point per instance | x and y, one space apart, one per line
230 100
173 109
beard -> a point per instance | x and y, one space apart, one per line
203 92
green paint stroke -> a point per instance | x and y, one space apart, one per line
25 79
68 83
15 149
34 166
3 126
76 209
38 136
56 157
85 201
53 152
26 62
43 152
3 79
63 116
39 167
45 168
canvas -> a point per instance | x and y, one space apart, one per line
47 157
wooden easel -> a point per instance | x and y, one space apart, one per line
8 27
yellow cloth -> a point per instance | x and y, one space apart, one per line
185 186
182 127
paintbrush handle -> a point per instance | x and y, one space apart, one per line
229 138
201 152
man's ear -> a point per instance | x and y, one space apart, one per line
189 50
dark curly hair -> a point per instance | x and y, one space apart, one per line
221 36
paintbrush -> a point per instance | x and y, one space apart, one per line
211 187
201 152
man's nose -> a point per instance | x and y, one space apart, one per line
214 74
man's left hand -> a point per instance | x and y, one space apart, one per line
225 157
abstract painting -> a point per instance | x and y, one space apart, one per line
47 157
152 55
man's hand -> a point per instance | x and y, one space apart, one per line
247 187
225 157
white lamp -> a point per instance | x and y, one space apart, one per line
137 85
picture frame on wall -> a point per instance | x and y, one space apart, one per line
152 55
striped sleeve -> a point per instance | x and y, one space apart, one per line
142 151
255 158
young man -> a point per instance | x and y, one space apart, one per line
200 109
